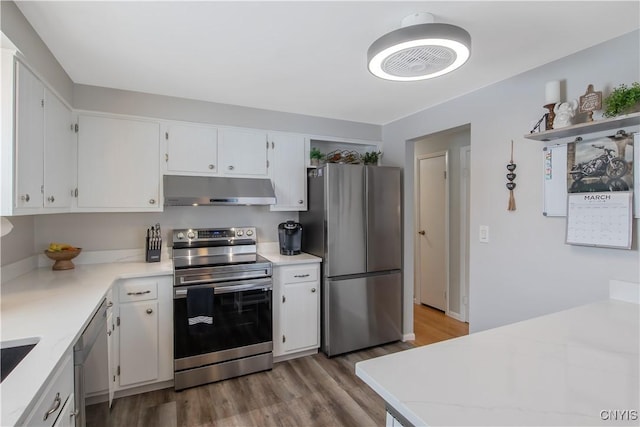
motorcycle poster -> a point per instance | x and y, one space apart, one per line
600 165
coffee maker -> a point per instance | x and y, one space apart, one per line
290 235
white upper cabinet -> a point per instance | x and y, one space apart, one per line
29 140
287 170
43 148
243 153
59 153
191 149
118 164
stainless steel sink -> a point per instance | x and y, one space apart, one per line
12 353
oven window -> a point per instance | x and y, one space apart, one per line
239 319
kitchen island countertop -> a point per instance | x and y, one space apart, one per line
574 367
54 306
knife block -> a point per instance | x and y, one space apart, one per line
152 249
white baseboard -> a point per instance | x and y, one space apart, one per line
455 315
408 337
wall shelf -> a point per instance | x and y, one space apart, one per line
589 127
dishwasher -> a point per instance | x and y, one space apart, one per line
95 331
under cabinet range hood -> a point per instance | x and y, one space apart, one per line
208 191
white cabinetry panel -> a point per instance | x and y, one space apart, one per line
58 153
29 156
118 164
243 152
296 326
192 149
138 342
287 170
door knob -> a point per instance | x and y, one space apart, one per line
149 311
422 232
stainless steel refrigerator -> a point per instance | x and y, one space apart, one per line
353 222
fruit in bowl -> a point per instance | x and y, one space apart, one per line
62 254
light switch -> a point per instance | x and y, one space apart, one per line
483 235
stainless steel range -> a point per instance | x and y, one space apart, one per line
222 305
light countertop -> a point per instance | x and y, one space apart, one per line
271 251
54 306
559 369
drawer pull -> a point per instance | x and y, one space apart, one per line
54 407
139 293
301 275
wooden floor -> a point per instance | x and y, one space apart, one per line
309 391
431 325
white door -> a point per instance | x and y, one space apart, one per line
112 360
192 149
432 230
138 342
288 171
300 316
243 152
118 165
59 142
29 160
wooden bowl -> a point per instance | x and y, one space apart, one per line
63 258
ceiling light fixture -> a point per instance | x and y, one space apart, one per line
419 50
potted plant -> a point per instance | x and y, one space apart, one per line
623 100
371 157
316 156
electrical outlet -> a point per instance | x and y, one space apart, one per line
483 234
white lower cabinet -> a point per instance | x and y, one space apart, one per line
67 414
145 331
296 316
56 399
138 342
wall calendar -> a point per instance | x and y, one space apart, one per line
602 219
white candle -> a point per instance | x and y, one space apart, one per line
552 92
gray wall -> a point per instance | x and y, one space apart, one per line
19 243
33 50
166 107
104 231
526 270
451 142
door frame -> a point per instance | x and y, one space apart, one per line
465 173
416 226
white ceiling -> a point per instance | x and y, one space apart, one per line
307 57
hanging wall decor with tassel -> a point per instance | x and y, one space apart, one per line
511 185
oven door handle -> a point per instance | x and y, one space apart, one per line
264 286
239 288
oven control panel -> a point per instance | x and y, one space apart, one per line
214 234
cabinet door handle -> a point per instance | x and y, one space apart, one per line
149 310
313 290
25 198
301 275
54 407
230 167
152 201
139 293
110 304
300 202
51 199
211 166
109 332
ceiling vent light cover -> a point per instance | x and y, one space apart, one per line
420 51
